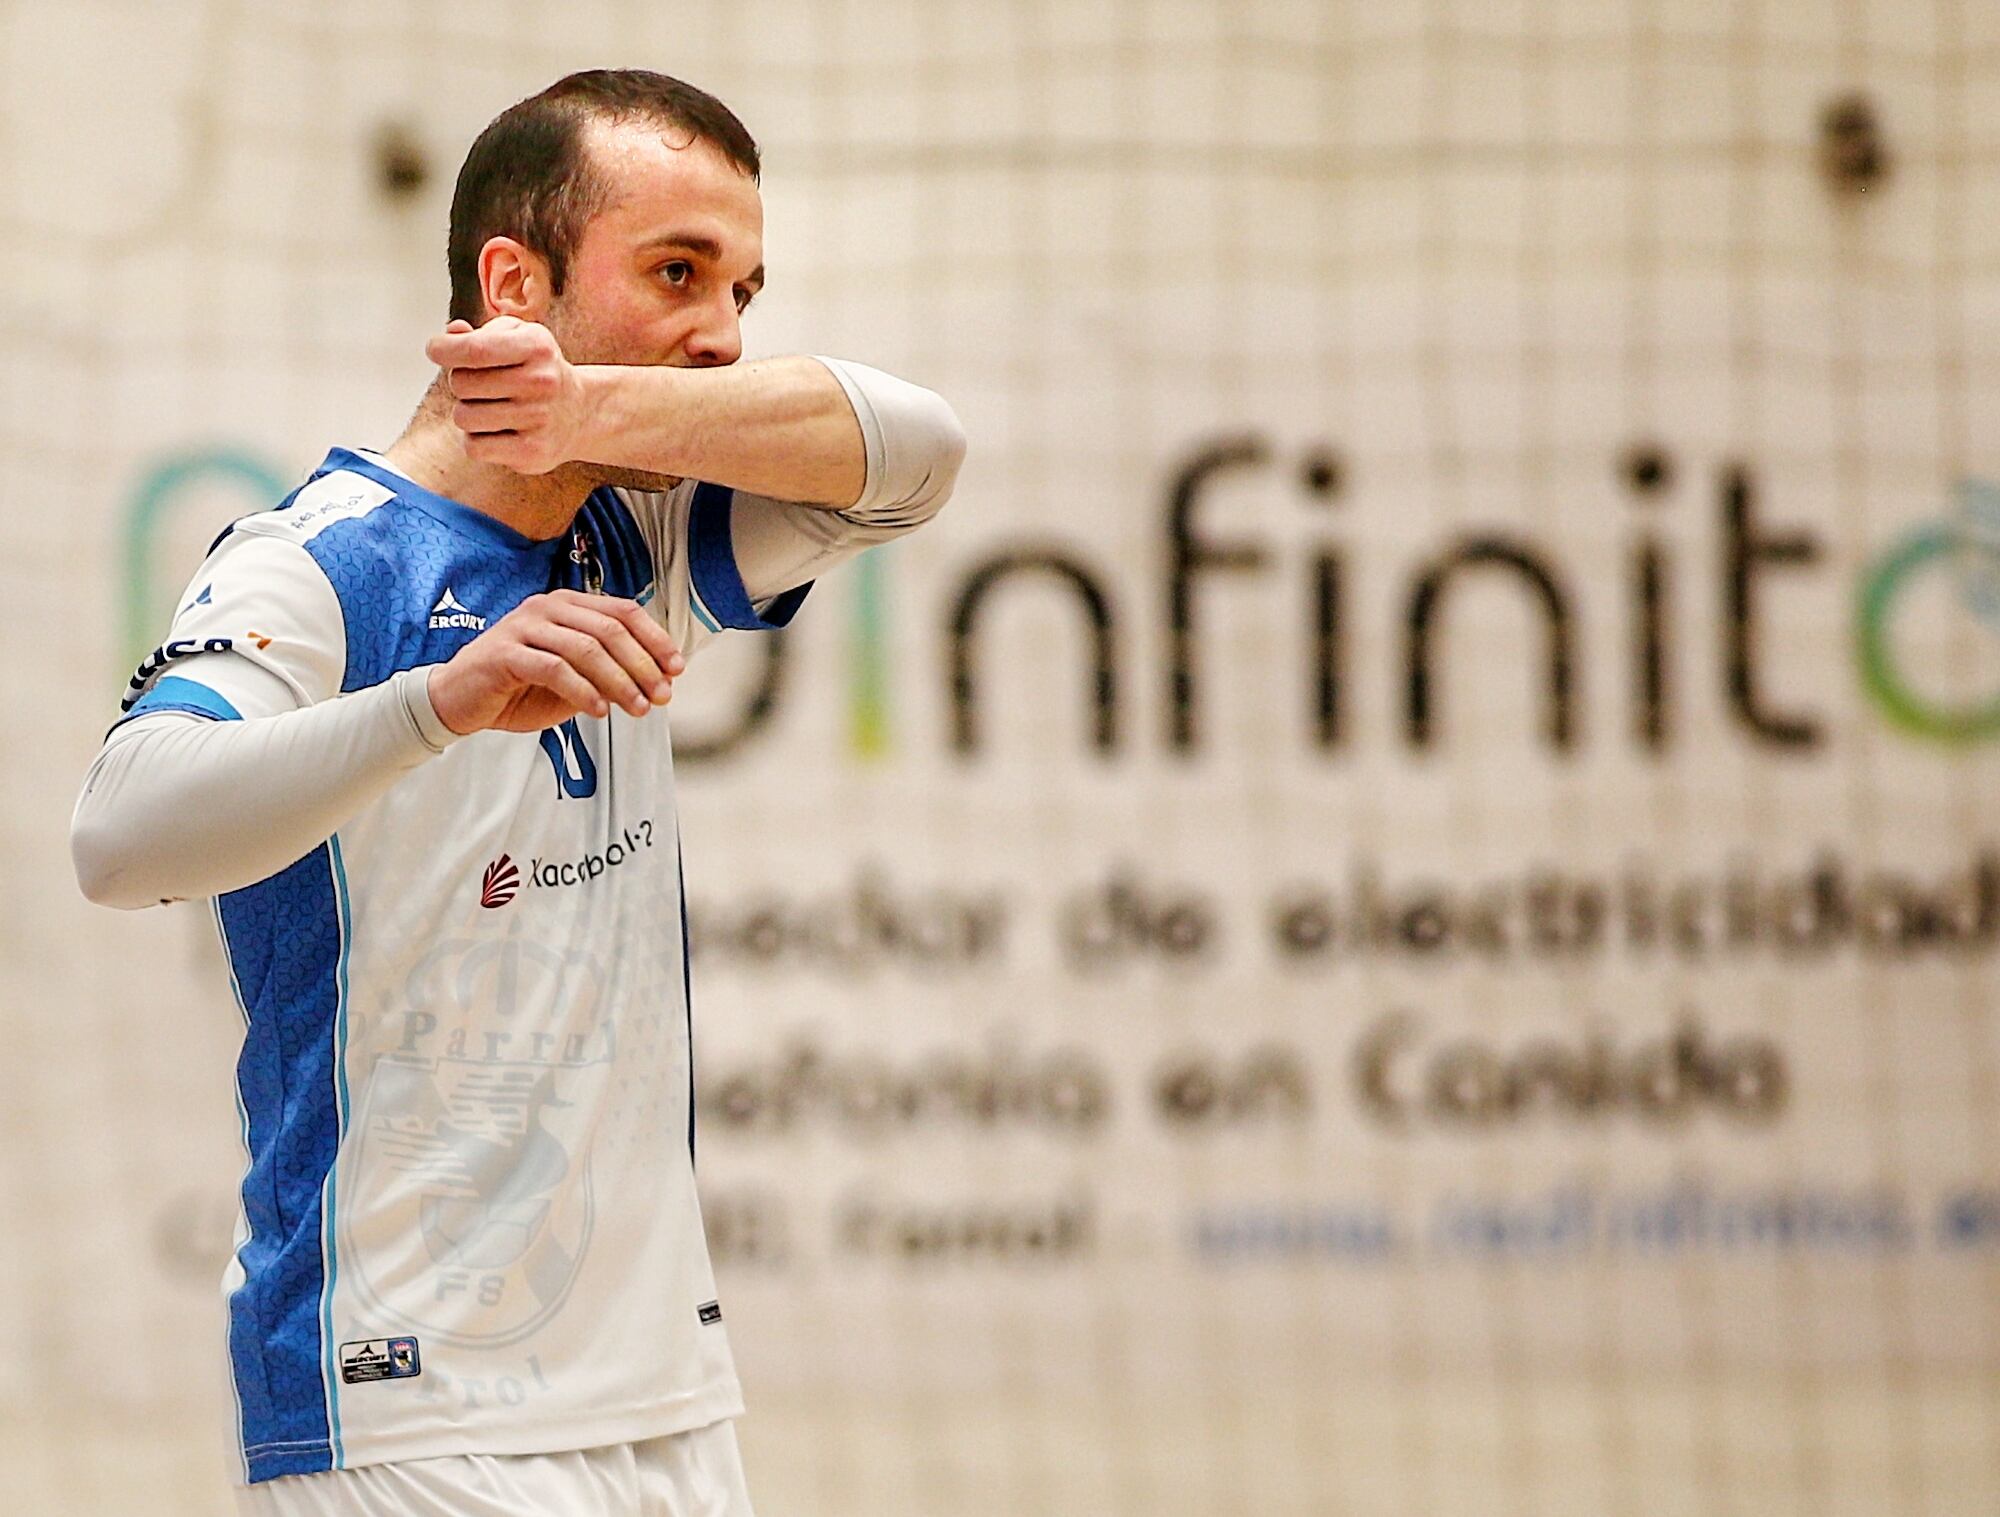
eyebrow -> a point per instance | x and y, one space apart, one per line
707 247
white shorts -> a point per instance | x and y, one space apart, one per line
691 1474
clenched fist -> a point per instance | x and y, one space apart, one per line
519 401
553 656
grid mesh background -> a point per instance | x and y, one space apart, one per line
1476 251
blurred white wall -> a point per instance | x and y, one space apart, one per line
1112 1114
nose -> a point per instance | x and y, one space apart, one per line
718 339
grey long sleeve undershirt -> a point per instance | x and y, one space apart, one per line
178 805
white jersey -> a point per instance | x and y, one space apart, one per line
469 1221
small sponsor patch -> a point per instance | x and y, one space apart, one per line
709 1311
379 1359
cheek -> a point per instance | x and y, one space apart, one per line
618 321
642 311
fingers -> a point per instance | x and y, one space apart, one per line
551 672
616 637
480 418
555 655
442 347
590 658
619 654
503 341
515 401
650 634
514 381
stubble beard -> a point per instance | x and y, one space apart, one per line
629 479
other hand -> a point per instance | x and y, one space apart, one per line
555 656
519 402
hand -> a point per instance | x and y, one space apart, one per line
552 657
519 401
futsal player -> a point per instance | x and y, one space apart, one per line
405 732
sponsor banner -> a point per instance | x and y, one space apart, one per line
1427 812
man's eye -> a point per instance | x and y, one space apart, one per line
678 273
743 294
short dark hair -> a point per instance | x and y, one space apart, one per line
528 175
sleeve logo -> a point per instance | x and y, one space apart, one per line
153 663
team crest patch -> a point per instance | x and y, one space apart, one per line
497 1157
379 1359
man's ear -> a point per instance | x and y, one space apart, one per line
514 279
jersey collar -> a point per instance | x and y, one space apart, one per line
453 513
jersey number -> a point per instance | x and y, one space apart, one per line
576 771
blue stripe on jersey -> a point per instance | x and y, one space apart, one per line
178 693
618 545
330 1371
286 941
718 583
687 987
243 1125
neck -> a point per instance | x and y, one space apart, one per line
432 452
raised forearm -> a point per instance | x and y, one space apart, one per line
780 427
812 431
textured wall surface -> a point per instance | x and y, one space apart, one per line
1395 911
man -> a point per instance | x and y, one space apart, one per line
403 731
